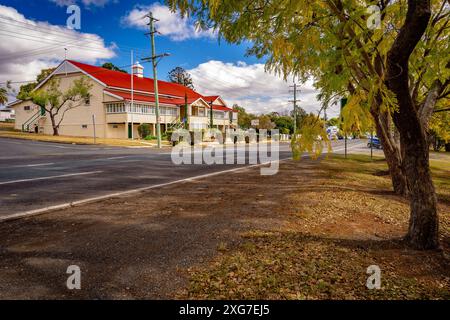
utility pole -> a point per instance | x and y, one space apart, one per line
154 58
132 94
211 115
295 104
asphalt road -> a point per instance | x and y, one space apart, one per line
35 175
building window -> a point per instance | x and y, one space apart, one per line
84 126
115 126
27 108
87 101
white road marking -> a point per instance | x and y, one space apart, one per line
51 177
34 165
115 158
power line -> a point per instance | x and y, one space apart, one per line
65 33
90 73
40 40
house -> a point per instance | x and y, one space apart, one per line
116 110
6 114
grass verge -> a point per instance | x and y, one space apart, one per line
78 140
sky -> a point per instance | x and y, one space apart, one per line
33 35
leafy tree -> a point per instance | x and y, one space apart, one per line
144 130
180 76
399 70
111 66
25 90
301 114
333 122
3 96
265 122
284 123
439 130
311 137
55 102
244 118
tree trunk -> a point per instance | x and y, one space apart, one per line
54 125
391 151
423 230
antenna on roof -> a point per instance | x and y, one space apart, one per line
65 60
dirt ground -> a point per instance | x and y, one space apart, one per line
308 232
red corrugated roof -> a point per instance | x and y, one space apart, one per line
122 80
211 98
222 108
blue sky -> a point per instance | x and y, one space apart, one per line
33 35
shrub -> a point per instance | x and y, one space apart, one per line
144 130
150 137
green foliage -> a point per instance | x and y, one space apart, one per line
311 137
167 135
333 122
52 99
180 76
440 129
150 137
284 123
265 122
3 96
244 118
144 130
111 66
355 116
25 90
331 42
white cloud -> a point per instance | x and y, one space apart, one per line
170 24
251 87
27 46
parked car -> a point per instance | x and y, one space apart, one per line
374 142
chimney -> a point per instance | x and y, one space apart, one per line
138 70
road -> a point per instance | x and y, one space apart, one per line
36 175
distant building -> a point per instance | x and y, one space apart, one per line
6 114
110 102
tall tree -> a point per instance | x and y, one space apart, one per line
3 96
4 91
424 223
180 76
265 122
56 103
25 90
111 66
352 51
244 118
